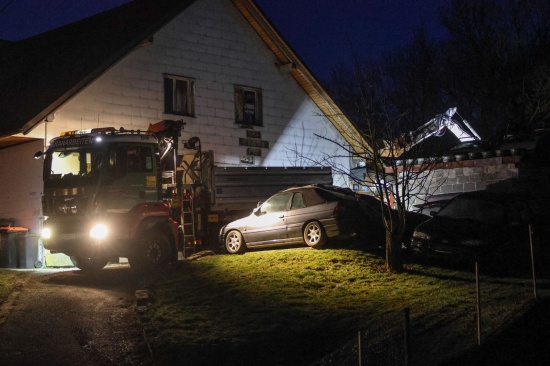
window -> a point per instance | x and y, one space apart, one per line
179 95
130 159
297 201
248 106
276 203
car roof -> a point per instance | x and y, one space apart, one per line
344 193
494 196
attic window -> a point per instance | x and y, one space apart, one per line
179 95
248 106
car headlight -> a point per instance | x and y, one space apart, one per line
472 242
46 233
99 231
421 235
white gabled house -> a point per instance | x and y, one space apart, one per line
218 65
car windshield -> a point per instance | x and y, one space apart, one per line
472 209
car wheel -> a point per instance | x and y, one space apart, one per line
314 235
152 252
234 243
89 265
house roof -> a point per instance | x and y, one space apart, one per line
41 73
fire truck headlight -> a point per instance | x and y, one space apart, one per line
99 231
46 233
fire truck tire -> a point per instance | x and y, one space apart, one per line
89 265
152 252
234 242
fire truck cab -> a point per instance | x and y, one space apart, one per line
103 198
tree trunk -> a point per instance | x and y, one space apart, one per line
393 253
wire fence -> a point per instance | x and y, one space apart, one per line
395 340
385 343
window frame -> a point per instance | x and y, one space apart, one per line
240 92
170 84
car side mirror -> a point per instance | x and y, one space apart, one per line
433 213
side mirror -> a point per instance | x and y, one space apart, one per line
38 155
257 211
433 213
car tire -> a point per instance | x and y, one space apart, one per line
234 242
152 252
89 265
314 234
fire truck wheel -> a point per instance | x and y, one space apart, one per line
88 265
234 243
152 252
314 235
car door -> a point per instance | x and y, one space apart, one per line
268 225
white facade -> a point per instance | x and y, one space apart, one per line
21 182
212 43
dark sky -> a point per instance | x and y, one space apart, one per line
324 33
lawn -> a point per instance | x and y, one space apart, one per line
9 280
295 306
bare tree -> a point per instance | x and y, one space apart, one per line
395 167
497 63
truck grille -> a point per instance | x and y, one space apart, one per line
68 206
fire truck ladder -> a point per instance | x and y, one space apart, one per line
188 220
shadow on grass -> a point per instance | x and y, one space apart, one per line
523 342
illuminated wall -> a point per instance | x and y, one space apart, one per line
213 44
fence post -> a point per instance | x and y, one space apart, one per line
407 333
359 351
478 305
533 261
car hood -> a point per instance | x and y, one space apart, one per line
455 230
240 223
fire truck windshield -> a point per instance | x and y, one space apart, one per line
73 166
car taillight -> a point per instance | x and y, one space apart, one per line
339 209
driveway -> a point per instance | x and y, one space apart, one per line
61 317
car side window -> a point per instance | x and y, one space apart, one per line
297 201
276 203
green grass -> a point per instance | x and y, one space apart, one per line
9 280
294 306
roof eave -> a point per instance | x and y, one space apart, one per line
299 71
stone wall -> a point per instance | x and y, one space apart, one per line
448 179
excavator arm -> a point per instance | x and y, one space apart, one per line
437 126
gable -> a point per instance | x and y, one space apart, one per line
40 73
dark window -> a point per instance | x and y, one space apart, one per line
179 95
248 106
131 159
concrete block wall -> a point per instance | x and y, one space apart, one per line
212 43
465 176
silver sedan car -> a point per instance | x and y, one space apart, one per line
308 215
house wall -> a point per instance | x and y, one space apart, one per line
21 182
212 43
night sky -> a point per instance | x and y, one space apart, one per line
324 33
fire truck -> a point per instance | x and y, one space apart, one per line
112 193
103 196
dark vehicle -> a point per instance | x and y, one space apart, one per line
471 150
302 215
310 215
473 224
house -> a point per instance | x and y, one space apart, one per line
218 65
